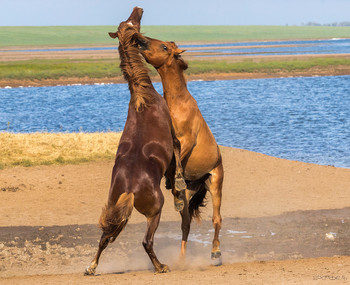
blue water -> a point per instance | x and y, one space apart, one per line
330 46
337 46
334 41
305 119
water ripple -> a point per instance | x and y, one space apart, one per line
305 119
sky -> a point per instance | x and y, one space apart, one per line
173 12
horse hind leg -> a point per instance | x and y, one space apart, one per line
215 189
112 221
104 241
185 225
152 225
193 199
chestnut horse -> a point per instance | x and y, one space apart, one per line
144 154
200 154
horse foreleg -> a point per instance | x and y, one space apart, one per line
180 184
215 188
170 184
102 245
152 225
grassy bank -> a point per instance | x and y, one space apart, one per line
97 35
54 69
56 148
61 68
263 66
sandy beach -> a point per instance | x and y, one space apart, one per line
284 222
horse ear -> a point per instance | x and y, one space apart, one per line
113 35
179 51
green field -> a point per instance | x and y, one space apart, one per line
54 69
97 35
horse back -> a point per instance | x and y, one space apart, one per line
144 153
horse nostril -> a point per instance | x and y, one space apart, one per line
143 44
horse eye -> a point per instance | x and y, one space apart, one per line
164 47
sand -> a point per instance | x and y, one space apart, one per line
283 222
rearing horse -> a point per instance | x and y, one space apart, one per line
200 154
144 154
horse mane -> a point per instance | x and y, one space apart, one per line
134 70
183 64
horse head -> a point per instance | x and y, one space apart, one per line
159 53
131 24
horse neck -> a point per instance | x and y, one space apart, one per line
136 74
174 82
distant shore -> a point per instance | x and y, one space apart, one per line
319 71
102 66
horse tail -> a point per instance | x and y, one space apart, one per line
198 200
114 218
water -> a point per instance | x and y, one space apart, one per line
332 46
329 46
87 108
305 119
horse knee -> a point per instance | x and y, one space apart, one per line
147 245
217 222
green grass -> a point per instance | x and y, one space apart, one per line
53 69
243 33
98 35
52 36
198 67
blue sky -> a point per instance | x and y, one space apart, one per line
176 12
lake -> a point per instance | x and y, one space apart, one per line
305 119
326 46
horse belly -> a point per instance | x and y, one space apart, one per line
201 161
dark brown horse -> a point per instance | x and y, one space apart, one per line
144 154
200 154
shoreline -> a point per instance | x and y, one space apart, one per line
319 71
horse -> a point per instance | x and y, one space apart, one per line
146 149
200 154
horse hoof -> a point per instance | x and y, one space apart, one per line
216 255
163 269
180 184
89 272
179 205
216 258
